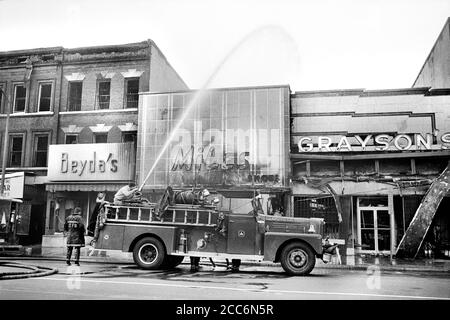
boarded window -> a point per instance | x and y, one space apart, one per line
75 91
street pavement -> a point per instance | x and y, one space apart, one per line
99 281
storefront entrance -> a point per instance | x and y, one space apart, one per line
374 231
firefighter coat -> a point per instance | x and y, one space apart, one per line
75 229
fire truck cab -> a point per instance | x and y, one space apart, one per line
230 230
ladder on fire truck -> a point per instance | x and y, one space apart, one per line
174 215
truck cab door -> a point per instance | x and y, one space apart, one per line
241 234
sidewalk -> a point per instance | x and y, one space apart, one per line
88 254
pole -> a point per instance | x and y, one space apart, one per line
5 144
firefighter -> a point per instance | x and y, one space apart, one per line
74 228
128 193
99 203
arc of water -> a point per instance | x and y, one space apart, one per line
200 91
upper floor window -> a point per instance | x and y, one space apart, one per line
71 138
104 92
45 96
75 90
100 137
129 136
40 150
16 143
20 97
132 92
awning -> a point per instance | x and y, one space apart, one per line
53 187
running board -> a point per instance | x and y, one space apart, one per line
415 234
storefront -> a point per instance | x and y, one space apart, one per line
233 140
76 173
375 154
22 219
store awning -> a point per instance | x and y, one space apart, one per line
53 187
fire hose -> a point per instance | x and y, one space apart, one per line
32 271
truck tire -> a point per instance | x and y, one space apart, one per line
297 259
172 261
149 253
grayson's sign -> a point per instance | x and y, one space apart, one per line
381 142
91 162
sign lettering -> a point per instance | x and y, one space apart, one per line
380 142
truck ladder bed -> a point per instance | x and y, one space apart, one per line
174 215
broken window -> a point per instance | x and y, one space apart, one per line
75 91
132 92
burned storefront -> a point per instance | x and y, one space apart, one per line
232 141
382 156
76 174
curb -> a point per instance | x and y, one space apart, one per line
363 267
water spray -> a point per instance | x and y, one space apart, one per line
200 91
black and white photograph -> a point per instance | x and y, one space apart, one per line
225 157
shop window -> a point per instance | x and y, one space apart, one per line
395 166
100 137
318 207
40 150
359 167
132 92
75 93
45 96
431 166
325 168
20 96
104 93
71 138
129 137
16 143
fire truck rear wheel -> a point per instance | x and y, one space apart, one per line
149 253
297 259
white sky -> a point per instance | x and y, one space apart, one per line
310 45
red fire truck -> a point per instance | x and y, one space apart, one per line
229 230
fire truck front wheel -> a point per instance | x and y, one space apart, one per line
149 253
297 259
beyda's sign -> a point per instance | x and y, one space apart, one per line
91 162
381 142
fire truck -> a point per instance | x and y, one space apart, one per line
227 230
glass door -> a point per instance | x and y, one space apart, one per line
374 226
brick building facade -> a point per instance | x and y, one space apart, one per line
73 96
